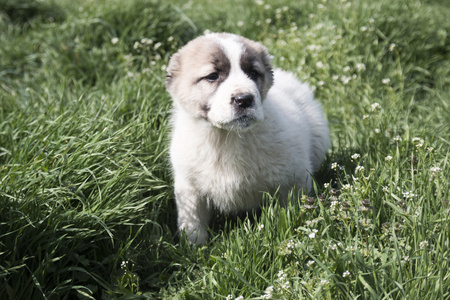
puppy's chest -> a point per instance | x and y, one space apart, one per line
229 171
235 180
232 185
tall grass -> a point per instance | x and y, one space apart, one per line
87 208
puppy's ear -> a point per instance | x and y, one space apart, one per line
269 68
267 61
172 70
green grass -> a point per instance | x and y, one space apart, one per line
86 201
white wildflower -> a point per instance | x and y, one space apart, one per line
375 106
346 274
396 139
386 81
281 274
345 79
356 156
423 244
319 65
418 142
312 235
359 169
114 40
157 45
313 47
334 204
349 249
268 293
124 264
388 158
347 187
310 263
409 195
392 47
146 41
435 169
324 282
360 67
334 166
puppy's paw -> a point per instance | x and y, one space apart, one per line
197 236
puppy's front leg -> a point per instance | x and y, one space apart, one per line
193 214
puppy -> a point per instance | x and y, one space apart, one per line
239 129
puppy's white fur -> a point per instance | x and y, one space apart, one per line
224 153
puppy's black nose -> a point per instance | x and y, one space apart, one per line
243 100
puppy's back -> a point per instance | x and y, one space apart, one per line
299 99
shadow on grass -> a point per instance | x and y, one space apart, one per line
24 11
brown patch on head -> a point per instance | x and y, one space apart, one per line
188 71
255 62
194 59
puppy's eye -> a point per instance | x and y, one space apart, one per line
253 74
212 77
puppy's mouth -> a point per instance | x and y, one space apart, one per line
241 123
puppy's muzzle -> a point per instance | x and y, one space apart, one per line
243 101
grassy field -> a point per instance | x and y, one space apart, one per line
86 201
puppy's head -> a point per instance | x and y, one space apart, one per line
221 78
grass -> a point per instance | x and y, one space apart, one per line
86 202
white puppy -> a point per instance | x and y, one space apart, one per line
239 129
